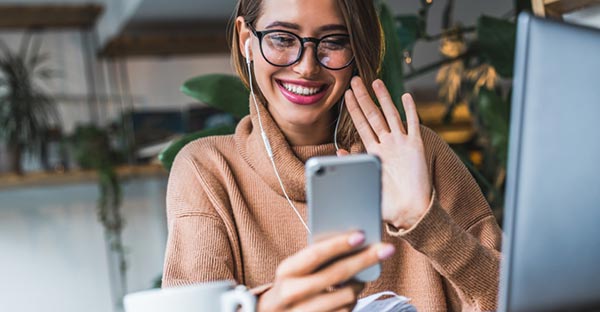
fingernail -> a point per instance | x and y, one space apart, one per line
341 153
385 252
356 239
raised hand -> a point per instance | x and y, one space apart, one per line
405 178
304 281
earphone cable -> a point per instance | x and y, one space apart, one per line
337 124
270 151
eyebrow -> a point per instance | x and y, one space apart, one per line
323 28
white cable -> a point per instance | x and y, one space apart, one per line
288 198
269 150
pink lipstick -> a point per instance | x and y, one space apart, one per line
302 92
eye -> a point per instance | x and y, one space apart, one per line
335 43
282 40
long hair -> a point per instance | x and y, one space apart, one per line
366 39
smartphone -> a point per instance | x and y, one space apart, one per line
344 194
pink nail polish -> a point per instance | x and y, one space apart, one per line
356 239
385 252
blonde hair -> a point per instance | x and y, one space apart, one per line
366 39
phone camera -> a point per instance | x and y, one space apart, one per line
320 171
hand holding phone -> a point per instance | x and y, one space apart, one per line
304 280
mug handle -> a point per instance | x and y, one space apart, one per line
239 296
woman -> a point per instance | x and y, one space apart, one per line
230 217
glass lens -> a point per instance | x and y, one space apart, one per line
281 48
335 51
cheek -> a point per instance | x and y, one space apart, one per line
343 81
264 73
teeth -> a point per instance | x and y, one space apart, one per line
300 90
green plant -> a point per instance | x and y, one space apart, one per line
475 59
224 92
26 110
92 151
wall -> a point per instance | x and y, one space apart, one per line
157 80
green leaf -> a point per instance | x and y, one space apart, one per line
409 31
224 92
391 72
494 113
497 43
167 156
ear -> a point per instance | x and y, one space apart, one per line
244 33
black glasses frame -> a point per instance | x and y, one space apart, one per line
261 34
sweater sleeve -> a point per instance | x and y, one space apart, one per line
458 233
198 245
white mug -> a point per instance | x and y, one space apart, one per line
213 296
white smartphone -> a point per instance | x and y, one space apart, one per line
344 194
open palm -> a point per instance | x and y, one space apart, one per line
405 180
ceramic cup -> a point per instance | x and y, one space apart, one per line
214 296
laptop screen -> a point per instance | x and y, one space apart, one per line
552 249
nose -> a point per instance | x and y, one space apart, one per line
307 65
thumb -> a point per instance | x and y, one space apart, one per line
342 152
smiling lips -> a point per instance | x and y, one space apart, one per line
302 92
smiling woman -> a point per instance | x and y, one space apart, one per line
236 204
316 20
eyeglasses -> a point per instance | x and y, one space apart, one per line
283 48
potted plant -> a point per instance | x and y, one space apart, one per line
92 151
26 110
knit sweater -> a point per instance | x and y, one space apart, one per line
228 219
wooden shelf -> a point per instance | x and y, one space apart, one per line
168 38
77 176
23 16
165 44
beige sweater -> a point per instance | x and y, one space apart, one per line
228 219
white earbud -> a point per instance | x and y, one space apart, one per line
247 50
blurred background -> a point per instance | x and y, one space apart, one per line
90 96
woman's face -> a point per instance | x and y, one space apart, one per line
300 95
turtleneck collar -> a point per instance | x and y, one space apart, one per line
288 159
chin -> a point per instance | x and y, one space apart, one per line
301 118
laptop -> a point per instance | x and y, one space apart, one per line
551 252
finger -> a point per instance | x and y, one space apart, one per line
342 299
314 256
387 104
412 118
346 268
360 121
342 152
368 107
